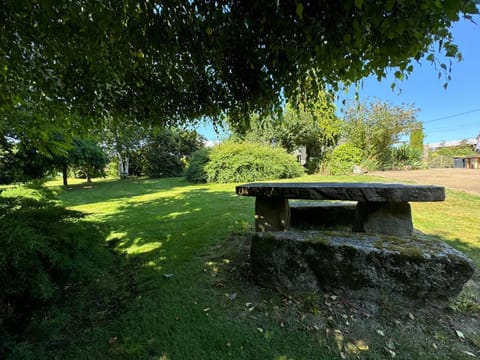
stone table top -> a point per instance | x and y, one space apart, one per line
355 191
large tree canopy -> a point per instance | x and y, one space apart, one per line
181 59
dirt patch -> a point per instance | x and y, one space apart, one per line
459 179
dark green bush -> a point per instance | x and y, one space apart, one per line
195 171
341 160
242 162
165 152
44 249
163 165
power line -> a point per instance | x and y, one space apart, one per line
452 116
454 125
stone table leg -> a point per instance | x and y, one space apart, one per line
271 214
389 218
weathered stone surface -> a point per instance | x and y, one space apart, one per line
394 218
386 192
310 261
308 215
271 214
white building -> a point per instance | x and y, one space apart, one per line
451 143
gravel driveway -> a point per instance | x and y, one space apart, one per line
460 179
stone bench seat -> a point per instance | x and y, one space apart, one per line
380 207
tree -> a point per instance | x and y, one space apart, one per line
416 137
175 61
27 159
166 150
123 138
376 127
88 157
310 124
37 157
317 128
7 161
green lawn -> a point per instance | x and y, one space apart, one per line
179 294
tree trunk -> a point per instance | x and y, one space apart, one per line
87 175
123 174
123 164
308 154
65 174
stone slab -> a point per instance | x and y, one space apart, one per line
358 191
313 261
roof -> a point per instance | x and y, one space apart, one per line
452 143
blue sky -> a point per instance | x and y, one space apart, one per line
446 114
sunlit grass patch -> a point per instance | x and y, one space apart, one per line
455 220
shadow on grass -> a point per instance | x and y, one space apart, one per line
170 229
86 193
472 252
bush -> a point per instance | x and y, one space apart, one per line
44 249
242 162
312 166
341 160
195 171
406 156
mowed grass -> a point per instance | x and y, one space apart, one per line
168 228
455 220
166 302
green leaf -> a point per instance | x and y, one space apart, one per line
358 3
300 10
389 5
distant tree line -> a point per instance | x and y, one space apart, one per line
156 152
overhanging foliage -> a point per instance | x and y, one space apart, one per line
182 59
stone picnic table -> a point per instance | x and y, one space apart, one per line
381 208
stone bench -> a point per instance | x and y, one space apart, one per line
381 208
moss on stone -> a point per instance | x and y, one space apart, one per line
414 248
319 240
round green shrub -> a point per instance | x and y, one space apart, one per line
195 171
341 160
243 162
